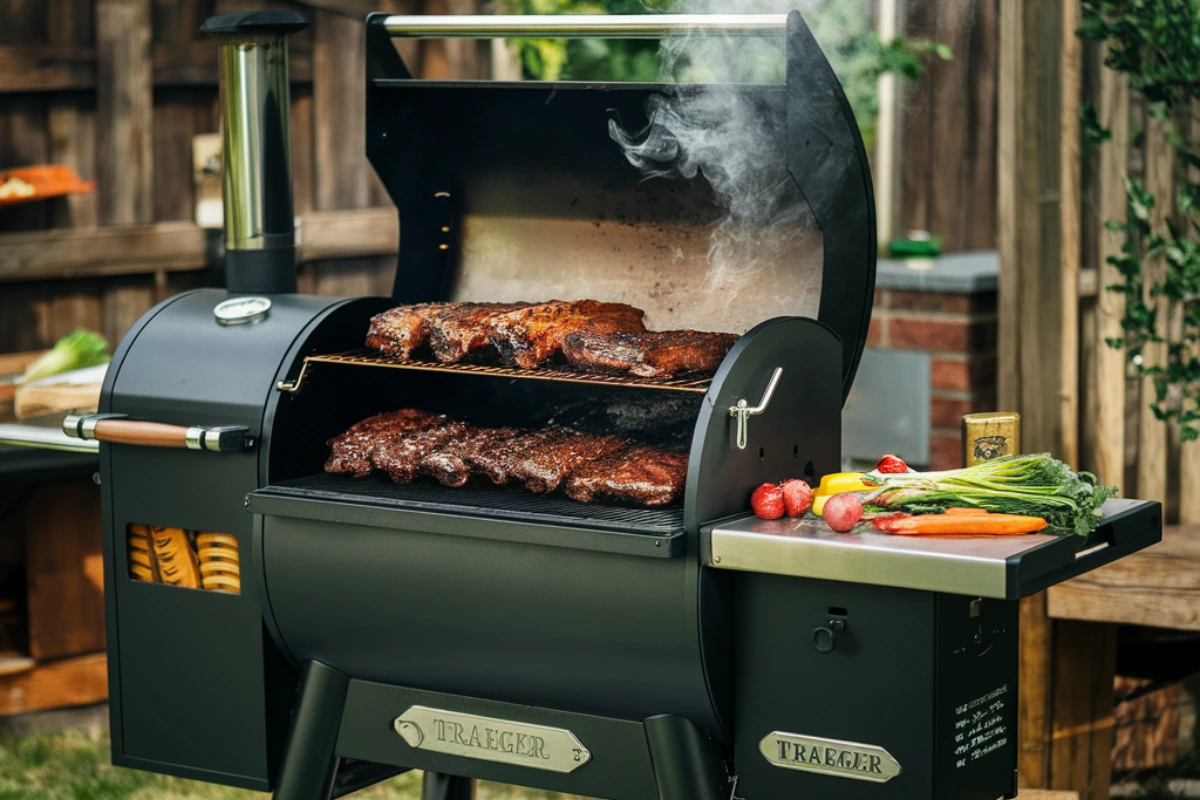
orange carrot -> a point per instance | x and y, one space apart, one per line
966 512
960 523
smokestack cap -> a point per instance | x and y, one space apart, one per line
255 23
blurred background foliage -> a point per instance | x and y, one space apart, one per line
844 30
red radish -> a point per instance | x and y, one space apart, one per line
767 501
843 511
797 496
891 465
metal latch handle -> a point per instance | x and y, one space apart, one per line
118 429
580 26
743 411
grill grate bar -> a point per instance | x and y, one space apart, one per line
482 499
370 359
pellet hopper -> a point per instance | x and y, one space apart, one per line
277 627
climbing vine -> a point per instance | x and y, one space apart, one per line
1156 45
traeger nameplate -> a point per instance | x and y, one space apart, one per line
864 762
491 739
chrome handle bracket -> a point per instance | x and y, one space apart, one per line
83 426
743 411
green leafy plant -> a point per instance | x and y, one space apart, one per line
857 54
1156 45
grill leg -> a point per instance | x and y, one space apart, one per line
438 786
687 764
309 764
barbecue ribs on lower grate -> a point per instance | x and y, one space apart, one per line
351 452
648 476
408 443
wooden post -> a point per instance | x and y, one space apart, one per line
1152 433
125 111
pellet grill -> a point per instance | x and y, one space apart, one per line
347 630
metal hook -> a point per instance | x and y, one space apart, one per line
743 411
293 385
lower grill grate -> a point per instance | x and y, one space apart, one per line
483 500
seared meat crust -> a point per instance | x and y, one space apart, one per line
499 462
529 337
398 331
401 457
451 463
351 452
461 329
544 467
653 354
638 473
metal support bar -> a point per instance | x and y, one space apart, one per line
583 26
309 762
438 786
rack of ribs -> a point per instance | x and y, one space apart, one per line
452 462
638 473
409 443
398 331
652 354
351 452
401 456
545 466
529 337
461 329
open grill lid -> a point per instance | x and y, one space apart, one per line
516 191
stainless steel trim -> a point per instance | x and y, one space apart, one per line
743 411
491 739
807 548
83 426
195 437
70 425
581 26
256 175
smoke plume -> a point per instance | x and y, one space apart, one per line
707 126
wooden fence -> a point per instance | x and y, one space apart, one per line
117 89
1078 397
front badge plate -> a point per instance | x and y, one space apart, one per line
491 739
864 762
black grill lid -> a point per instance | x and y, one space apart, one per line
511 191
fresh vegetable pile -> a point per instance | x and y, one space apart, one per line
1004 496
1037 485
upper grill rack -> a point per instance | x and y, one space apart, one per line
370 359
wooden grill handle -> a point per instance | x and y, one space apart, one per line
116 428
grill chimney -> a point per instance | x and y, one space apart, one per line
256 172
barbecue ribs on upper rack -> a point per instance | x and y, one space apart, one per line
594 336
408 443
653 354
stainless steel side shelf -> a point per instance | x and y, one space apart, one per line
1001 567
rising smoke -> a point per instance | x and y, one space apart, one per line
707 126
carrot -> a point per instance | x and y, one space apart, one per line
960 523
966 512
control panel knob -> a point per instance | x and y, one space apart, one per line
825 639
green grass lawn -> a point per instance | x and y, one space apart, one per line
75 766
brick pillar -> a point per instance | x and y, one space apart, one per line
958 330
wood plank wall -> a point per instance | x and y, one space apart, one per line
117 89
948 125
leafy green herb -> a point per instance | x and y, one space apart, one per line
76 350
1032 485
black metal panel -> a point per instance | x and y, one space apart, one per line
620 766
798 436
578 630
196 687
930 678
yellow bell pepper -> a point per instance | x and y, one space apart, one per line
836 483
